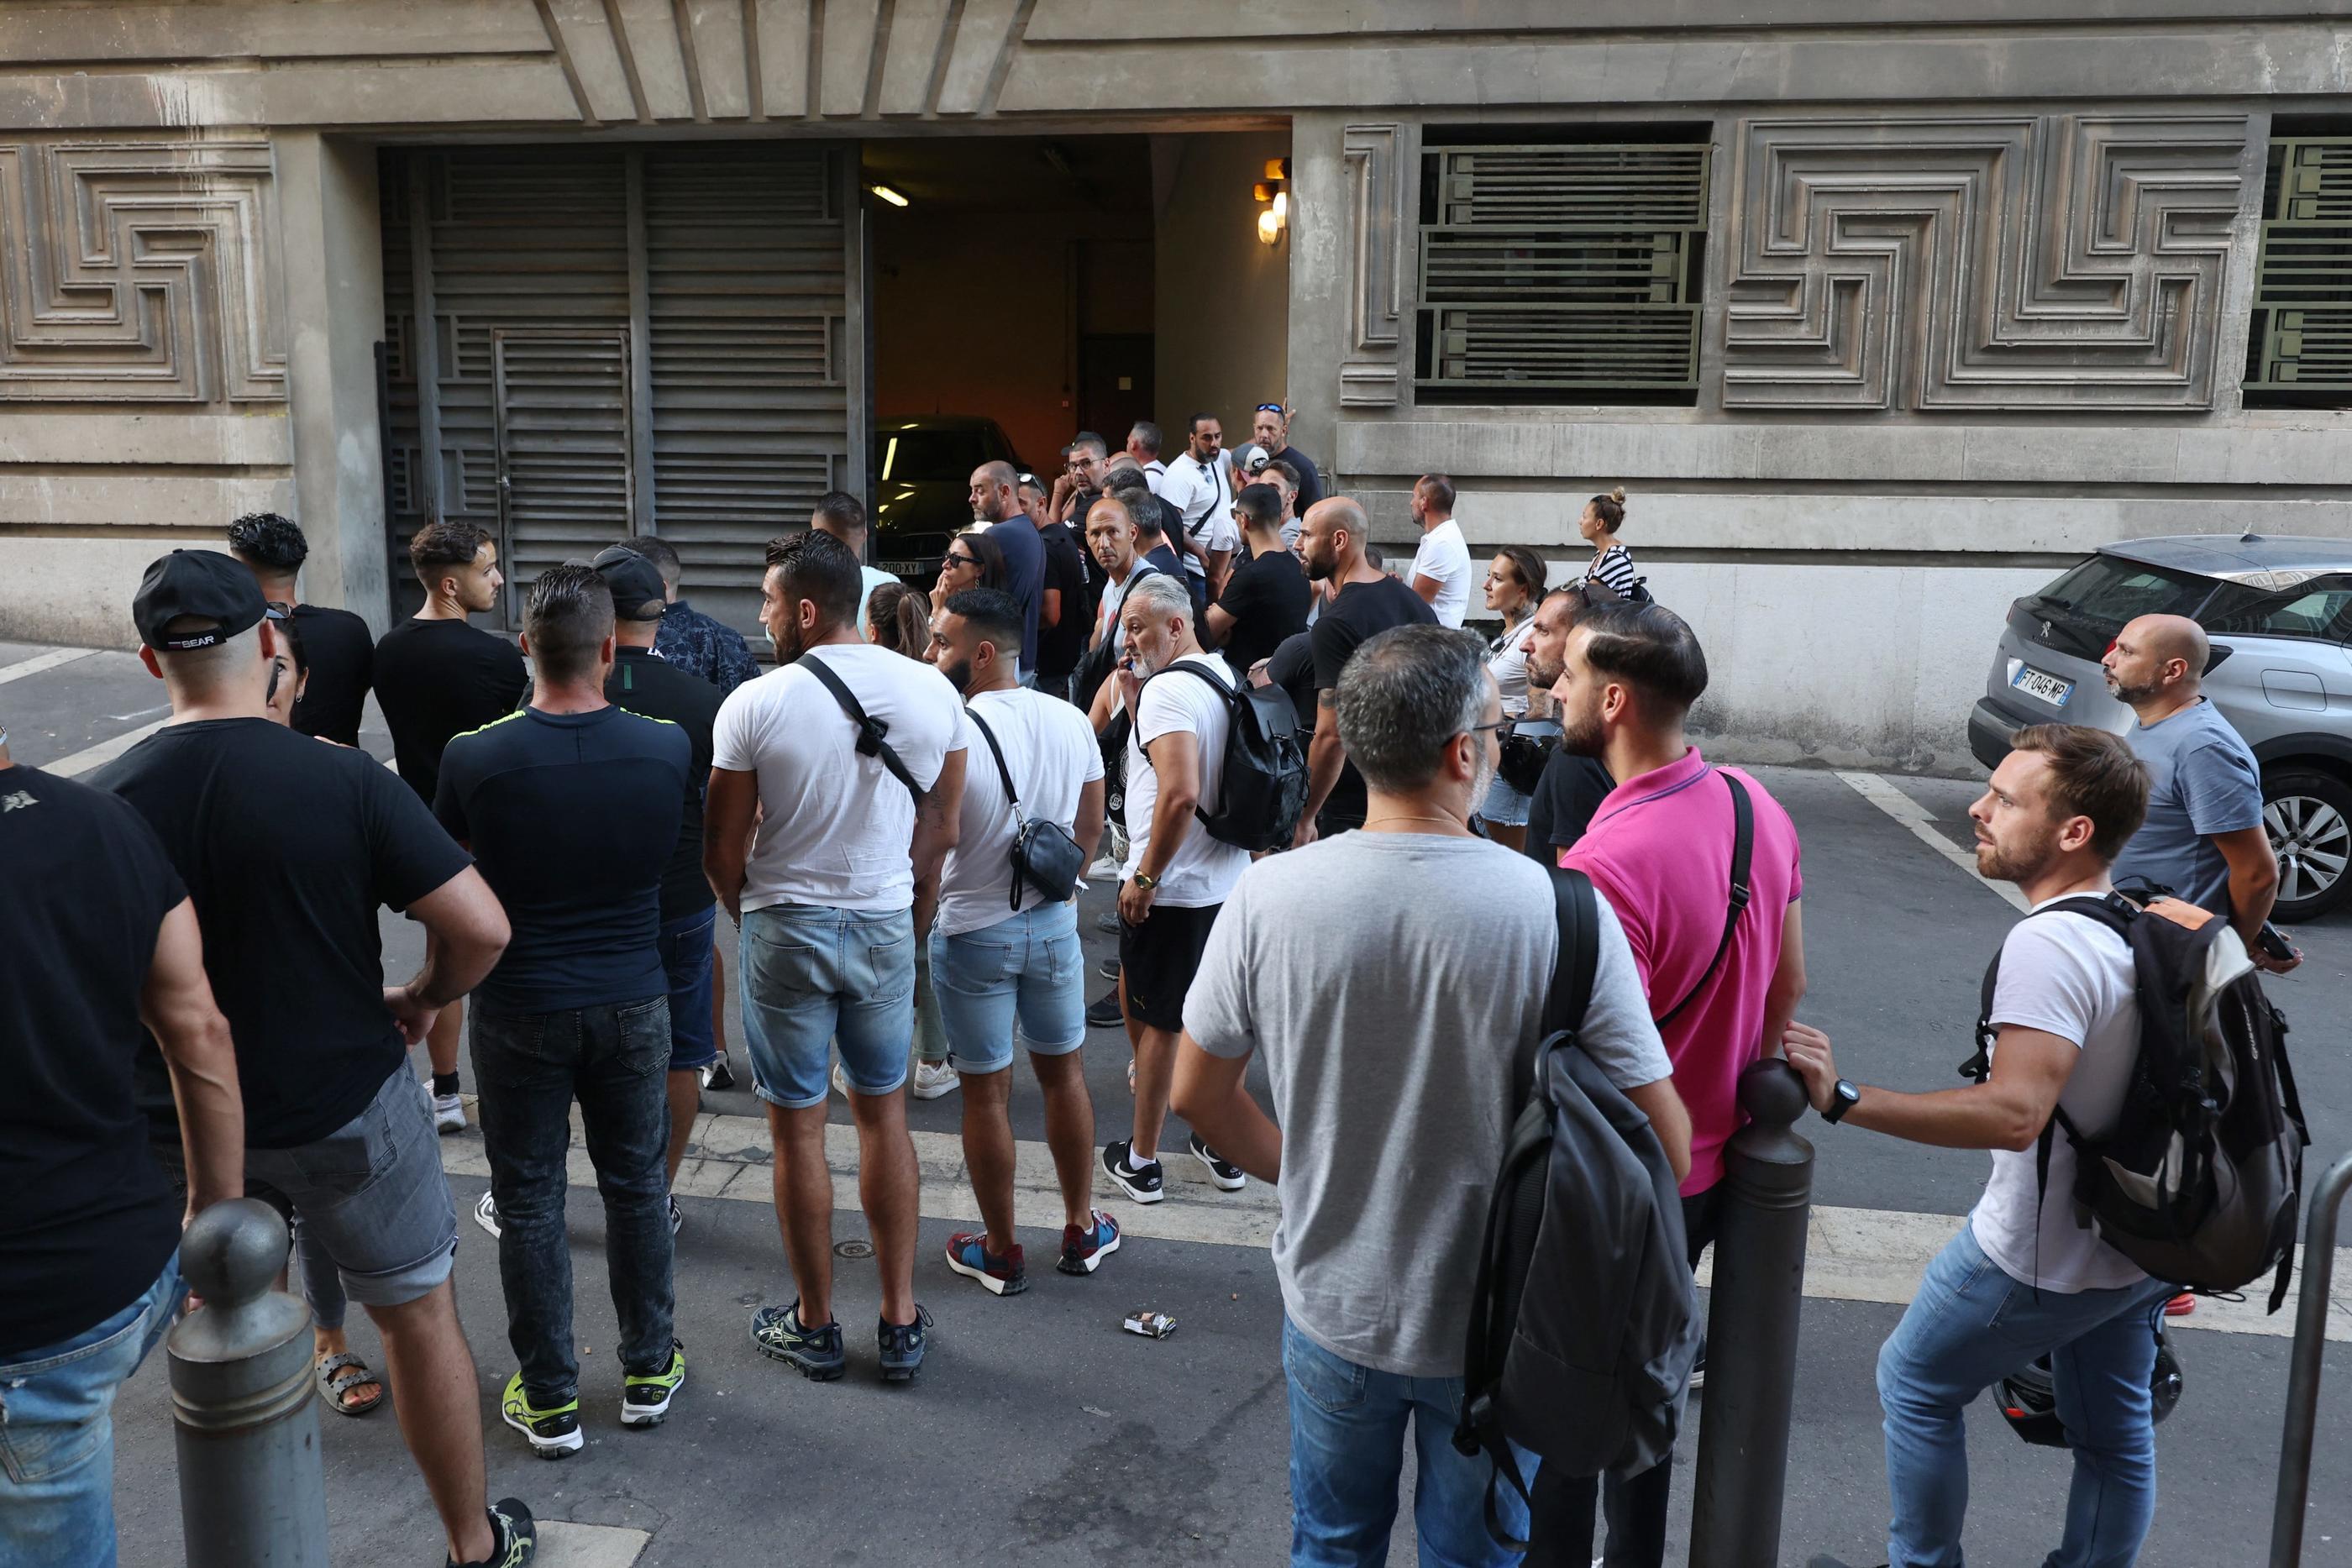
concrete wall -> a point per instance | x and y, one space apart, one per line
1223 294
1894 432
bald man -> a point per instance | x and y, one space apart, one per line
996 501
2203 834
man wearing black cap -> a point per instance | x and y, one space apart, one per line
573 805
288 848
646 684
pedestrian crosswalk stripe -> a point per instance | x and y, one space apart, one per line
1851 1254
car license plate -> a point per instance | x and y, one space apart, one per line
2033 683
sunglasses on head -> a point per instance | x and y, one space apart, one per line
1270 408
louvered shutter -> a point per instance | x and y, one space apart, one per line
2302 342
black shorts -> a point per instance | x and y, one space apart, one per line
1158 960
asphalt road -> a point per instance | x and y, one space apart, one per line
1041 1435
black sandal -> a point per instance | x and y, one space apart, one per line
334 1382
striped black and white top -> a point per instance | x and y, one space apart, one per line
1614 567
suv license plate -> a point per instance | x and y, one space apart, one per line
2035 684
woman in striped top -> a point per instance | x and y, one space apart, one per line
1612 563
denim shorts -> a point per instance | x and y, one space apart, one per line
57 1432
685 944
813 976
370 1195
1030 967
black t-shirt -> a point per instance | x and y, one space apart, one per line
1061 645
1567 792
288 848
1359 611
1310 481
1267 597
340 653
573 818
86 1216
436 679
1292 668
651 686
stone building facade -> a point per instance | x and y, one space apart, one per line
1882 310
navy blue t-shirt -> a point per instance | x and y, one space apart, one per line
1024 577
571 818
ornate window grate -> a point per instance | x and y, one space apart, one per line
1561 272
2300 351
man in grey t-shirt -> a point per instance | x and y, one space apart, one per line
1389 1035
2203 836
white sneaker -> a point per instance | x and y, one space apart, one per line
933 1079
486 1214
449 1114
1104 870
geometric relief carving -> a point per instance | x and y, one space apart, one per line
1373 158
139 272
2027 261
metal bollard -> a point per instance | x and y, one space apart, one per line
1751 1358
2304 1363
252 1492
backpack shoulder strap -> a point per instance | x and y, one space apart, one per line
2111 910
1578 919
870 731
1743 847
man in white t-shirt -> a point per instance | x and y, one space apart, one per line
1200 486
842 515
1002 953
1176 876
2024 1277
849 818
1143 445
1440 568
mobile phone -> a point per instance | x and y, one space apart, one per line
2274 943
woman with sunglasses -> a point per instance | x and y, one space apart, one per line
1515 586
972 561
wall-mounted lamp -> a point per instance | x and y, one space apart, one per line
1274 191
887 194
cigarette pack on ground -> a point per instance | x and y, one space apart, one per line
1151 1324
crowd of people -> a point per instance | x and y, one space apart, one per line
897 816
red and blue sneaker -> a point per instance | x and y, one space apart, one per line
1005 1275
1084 1247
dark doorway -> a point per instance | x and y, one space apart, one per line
1114 384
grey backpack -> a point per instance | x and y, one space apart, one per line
1584 1321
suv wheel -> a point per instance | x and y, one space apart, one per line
2309 819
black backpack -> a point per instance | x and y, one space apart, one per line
2199 1183
1261 790
1584 1323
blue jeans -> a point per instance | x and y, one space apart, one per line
530 1067
57 1432
1346 1451
1027 965
814 977
685 944
1969 1326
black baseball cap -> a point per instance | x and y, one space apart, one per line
636 582
197 585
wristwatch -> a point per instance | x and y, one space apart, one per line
1842 1098
1146 880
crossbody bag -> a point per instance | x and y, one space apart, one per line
1044 855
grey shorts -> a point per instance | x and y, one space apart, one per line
371 1194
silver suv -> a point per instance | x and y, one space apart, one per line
2279 611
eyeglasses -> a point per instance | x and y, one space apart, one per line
1493 728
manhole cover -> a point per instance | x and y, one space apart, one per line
855 1247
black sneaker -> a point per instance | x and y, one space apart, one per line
777 1333
1698 1369
1106 1013
1227 1175
1139 1182
1109 969
902 1346
514 1537
719 1075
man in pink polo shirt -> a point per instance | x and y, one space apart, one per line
1722 959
